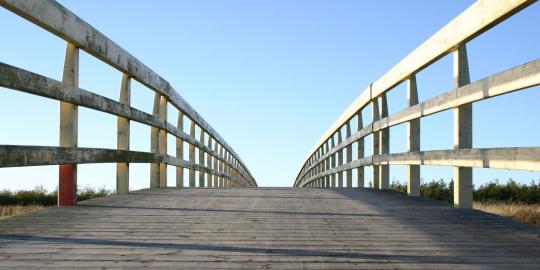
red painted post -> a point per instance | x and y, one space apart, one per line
67 190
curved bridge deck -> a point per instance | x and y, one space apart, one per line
269 228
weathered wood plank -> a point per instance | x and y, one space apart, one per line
270 228
512 158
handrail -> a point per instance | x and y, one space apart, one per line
57 19
452 38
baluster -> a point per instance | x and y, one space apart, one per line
340 159
333 161
180 151
163 143
413 142
360 151
154 144
209 162
384 149
375 141
349 154
122 138
192 155
67 182
201 160
327 165
462 132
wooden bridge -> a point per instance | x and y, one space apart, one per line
223 220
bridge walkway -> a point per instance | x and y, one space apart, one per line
266 228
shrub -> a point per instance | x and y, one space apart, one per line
511 192
40 196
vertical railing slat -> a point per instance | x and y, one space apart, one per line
122 138
413 140
462 132
67 184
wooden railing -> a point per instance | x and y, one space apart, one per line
325 160
222 165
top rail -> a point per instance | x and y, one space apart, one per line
55 18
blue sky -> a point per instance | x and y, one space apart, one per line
269 76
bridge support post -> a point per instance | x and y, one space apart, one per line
154 144
375 117
122 140
192 155
163 143
67 182
384 138
180 152
201 160
360 152
413 142
349 155
462 132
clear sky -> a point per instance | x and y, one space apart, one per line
269 76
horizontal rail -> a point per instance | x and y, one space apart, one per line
478 18
511 158
22 155
25 81
55 18
517 78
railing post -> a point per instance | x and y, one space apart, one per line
375 140
413 141
201 160
462 132
180 152
209 161
122 138
220 167
154 144
349 154
333 165
67 182
340 159
216 166
192 155
360 151
384 134
163 143
327 165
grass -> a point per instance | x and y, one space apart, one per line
527 213
15 210
13 203
512 200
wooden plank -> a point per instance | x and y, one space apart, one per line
266 228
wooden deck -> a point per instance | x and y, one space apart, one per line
266 228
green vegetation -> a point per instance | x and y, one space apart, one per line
40 196
511 192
